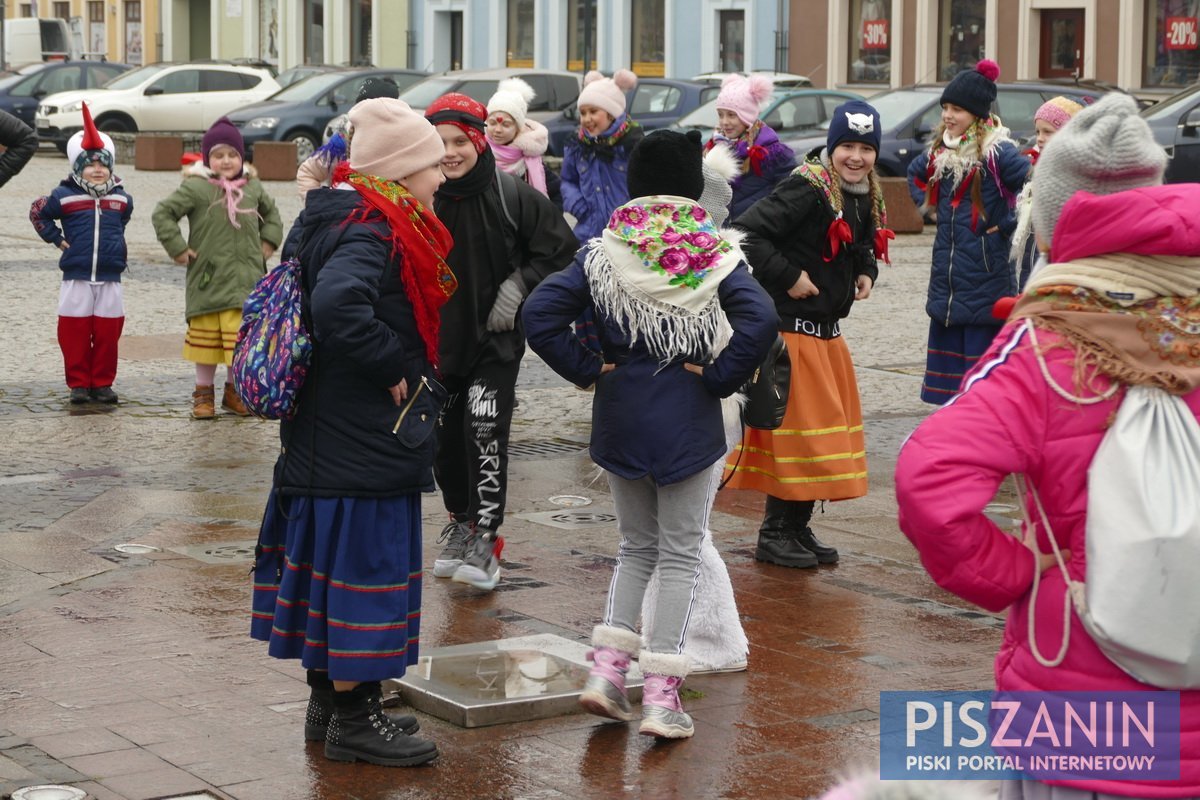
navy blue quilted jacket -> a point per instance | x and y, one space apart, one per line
94 227
970 270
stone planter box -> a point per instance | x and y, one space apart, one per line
275 161
902 214
157 152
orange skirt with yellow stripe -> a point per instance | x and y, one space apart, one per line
818 453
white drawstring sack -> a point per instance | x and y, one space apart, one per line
1140 600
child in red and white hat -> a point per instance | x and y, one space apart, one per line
94 209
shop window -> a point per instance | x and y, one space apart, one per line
1172 51
519 50
870 41
133 32
360 34
314 26
962 26
581 34
648 34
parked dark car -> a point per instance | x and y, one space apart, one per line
553 90
793 114
300 112
1175 122
910 114
301 71
654 103
19 94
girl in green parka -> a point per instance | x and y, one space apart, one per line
233 228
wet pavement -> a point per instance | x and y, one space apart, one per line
131 674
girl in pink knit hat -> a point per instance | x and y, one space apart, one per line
596 159
765 160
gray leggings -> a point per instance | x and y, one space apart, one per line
663 526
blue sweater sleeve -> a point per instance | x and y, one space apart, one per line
752 316
43 213
548 315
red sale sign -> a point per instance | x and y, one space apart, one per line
1180 33
875 34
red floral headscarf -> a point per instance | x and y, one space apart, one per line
465 113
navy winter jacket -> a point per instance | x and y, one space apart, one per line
970 270
649 420
94 227
340 444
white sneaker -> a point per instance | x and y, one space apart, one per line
455 535
481 564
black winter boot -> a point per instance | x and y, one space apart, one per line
320 708
775 546
796 519
360 731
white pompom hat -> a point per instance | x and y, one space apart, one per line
513 97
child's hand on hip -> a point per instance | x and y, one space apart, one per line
267 249
399 392
63 245
186 257
803 287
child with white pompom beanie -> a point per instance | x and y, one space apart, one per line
517 141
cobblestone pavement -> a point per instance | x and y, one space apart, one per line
131 675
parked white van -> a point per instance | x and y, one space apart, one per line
29 39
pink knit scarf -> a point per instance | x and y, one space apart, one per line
510 158
233 194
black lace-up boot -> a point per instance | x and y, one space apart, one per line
359 730
320 708
775 546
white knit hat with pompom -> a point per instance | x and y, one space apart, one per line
513 97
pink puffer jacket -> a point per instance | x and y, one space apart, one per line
1009 420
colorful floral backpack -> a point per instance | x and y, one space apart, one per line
274 346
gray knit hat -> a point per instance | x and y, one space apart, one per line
719 168
1106 148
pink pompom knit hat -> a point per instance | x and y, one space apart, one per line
744 96
1057 111
607 94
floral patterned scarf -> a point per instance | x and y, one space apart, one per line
421 241
655 271
1134 335
624 131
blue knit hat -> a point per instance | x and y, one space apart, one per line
974 89
854 121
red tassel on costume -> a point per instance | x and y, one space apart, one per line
91 136
839 232
881 243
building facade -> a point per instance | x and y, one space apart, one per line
282 32
118 30
1146 46
675 38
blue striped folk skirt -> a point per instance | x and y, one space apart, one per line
337 583
953 352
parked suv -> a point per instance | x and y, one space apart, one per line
157 97
910 114
300 112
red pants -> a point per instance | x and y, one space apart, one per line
91 317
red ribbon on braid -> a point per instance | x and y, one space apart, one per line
420 240
839 232
881 243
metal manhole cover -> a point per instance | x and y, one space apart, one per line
571 520
545 448
218 553
570 500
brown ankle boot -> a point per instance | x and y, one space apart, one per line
232 403
204 403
